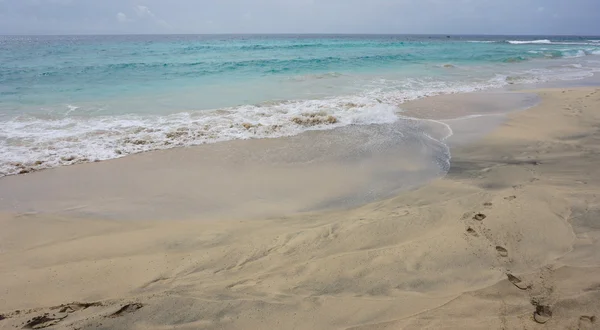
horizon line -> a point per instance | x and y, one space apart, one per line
296 34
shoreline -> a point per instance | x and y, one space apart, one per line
265 92
508 238
309 120
319 170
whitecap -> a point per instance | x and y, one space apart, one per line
520 42
570 53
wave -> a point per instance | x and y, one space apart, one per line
289 46
538 42
571 53
195 69
35 143
515 59
576 43
250 47
574 53
267 66
522 42
30 143
565 52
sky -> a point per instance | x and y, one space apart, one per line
573 17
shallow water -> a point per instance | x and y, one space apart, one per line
247 179
318 170
66 100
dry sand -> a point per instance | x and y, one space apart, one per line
509 239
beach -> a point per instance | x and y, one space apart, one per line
506 239
68 100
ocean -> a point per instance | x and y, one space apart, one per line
74 99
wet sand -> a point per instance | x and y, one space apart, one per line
509 238
244 179
264 178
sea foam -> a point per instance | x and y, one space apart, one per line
522 42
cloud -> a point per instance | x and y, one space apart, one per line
121 17
143 18
143 11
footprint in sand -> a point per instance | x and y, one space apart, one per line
472 232
479 217
502 251
542 314
50 319
517 282
129 308
586 322
510 198
45 321
74 307
488 204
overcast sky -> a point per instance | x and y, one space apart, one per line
300 16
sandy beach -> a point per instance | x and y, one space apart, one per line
508 239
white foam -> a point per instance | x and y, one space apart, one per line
521 42
575 43
567 53
71 108
35 143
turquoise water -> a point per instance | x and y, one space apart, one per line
69 99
